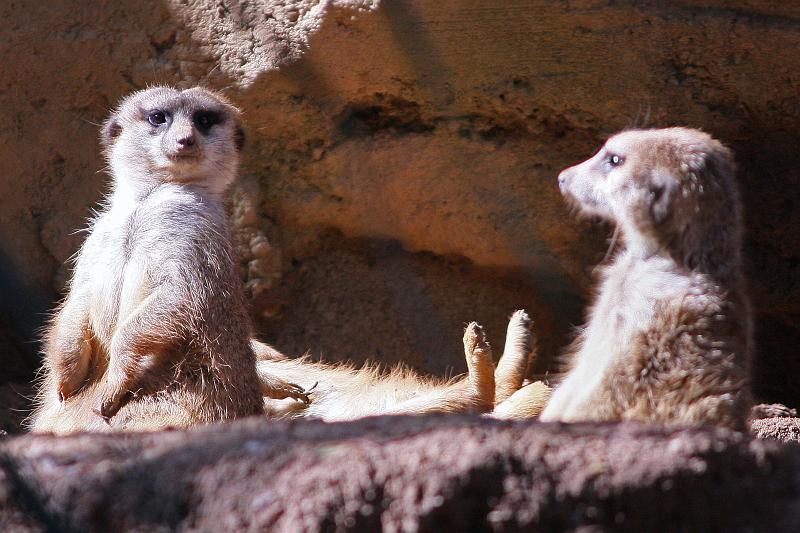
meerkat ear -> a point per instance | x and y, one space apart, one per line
662 191
110 131
713 163
239 138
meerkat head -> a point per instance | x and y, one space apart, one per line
670 189
161 135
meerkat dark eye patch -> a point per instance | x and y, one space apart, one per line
203 120
157 118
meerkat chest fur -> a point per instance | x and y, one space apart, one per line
173 237
630 291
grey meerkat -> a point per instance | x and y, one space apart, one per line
154 332
342 392
668 338
155 309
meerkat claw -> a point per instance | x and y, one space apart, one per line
279 390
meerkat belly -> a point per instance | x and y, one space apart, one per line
120 279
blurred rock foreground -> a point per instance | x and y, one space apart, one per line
405 474
399 181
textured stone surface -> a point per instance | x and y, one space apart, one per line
399 176
404 474
781 429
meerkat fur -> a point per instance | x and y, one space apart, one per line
668 338
343 392
155 309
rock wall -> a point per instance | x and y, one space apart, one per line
399 178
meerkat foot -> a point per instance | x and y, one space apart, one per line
480 366
517 356
278 389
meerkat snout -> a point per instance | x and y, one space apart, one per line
562 181
180 140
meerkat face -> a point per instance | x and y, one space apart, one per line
191 136
654 183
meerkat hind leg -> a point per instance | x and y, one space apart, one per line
527 402
517 356
479 362
475 393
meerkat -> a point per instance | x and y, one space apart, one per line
342 392
155 309
668 338
154 332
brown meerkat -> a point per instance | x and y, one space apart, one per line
342 392
668 338
155 308
154 332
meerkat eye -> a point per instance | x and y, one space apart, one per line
157 118
614 160
205 119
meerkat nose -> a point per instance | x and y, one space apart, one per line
185 141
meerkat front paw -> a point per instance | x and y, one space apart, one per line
480 366
278 389
110 404
70 368
67 383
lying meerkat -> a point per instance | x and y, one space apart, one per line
345 393
154 330
668 338
155 308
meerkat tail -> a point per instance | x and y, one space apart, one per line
527 402
518 356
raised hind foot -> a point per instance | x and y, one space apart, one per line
518 355
480 378
278 389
